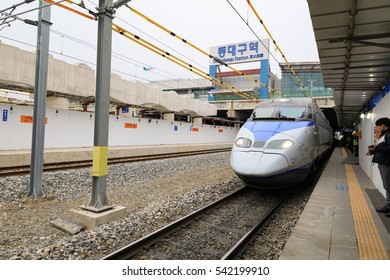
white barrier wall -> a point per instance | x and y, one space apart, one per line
366 127
73 129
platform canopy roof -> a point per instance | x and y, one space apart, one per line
353 41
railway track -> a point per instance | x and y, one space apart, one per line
220 230
23 170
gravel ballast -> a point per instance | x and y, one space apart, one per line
154 193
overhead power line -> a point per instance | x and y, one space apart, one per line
179 61
8 17
13 7
168 56
31 10
277 46
91 17
266 47
201 51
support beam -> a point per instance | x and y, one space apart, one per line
40 91
98 201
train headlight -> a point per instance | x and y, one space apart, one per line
243 142
280 144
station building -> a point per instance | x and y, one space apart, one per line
231 105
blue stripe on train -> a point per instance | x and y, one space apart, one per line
263 130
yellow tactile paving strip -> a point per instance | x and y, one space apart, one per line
369 242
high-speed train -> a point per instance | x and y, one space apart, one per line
281 143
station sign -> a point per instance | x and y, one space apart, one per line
125 110
242 52
131 125
28 119
5 115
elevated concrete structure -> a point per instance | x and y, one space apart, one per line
17 71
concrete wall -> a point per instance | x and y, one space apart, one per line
366 127
73 129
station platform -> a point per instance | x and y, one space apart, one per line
339 221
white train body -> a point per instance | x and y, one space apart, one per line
281 143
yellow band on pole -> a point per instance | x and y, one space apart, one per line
99 163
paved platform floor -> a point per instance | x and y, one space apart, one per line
339 221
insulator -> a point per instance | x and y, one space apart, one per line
120 3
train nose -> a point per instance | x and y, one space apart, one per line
258 163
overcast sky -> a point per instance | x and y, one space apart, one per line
204 23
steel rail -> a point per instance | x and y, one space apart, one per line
243 243
130 250
25 169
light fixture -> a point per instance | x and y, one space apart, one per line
368 115
362 116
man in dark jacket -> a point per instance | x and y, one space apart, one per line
381 152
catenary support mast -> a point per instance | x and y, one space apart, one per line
40 90
98 201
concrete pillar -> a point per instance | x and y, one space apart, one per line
197 120
169 116
231 113
57 102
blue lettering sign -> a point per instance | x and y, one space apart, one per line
241 48
221 51
254 46
5 115
240 52
232 50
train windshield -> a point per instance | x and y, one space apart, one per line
282 112
263 112
292 112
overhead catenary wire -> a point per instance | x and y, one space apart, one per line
120 57
8 17
57 3
34 9
170 57
179 61
13 7
254 33
83 6
202 51
89 62
277 46
162 43
161 52
93 17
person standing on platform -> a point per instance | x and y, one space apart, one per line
381 152
355 145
